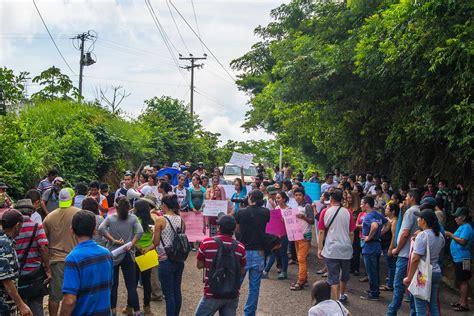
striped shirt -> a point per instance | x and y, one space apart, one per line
208 250
88 274
33 260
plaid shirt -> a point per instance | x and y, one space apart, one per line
8 270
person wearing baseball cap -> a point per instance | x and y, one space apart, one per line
10 300
57 227
208 249
432 238
461 242
50 198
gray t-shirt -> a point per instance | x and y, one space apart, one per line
436 246
409 222
307 211
51 199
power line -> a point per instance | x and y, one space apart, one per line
52 39
196 21
202 42
216 101
177 28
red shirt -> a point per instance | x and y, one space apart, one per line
321 225
207 251
33 261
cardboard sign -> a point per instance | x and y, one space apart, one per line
195 228
276 225
147 261
293 225
214 207
313 189
241 160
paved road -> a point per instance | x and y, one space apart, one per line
277 299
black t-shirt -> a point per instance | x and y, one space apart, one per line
253 221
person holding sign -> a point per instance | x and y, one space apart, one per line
197 195
216 192
306 214
240 191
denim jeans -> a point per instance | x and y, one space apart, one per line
170 274
128 272
283 254
399 288
209 306
391 262
421 305
254 267
372 268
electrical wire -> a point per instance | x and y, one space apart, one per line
202 42
52 39
177 28
216 101
196 21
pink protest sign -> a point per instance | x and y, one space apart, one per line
195 229
276 225
294 226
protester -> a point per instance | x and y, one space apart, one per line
91 204
336 228
94 192
5 200
323 305
276 220
47 182
170 271
33 257
128 180
150 186
287 172
407 229
216 192
251 224
35 196
88 271
120 229
10 300
329 183
306 215
110 196
240 191
392 211
60 242
198 194
461 243
50 198
371 250
80 193
429 237
183 194
210 252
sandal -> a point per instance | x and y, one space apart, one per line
296 287
461 308
385 288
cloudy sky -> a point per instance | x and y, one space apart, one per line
131 52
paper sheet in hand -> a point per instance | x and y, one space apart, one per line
241 160
122 249
214 207
293 225
195 229
147 261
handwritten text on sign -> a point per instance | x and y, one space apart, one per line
241 160
294 226
195 229
214 207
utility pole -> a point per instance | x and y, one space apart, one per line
191 67
85 59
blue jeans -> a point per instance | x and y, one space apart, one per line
421 305
254 267
399 289
371 262
170 274
209 306
391 263
283 255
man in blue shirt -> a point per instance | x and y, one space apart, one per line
371 250
88 271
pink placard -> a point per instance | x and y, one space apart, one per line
276 225
294 226
195 229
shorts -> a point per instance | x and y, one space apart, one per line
338 270
460 274
56 284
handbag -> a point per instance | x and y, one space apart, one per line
420 286
31 285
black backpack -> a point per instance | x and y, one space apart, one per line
225 271
179 249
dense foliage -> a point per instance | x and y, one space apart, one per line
367 85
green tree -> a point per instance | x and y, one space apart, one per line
13 86
55 85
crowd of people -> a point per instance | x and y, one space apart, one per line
69 243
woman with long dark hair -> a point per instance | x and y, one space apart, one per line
120 229
215 192
170 272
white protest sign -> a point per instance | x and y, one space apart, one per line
122 249
230 189
214 207
241 160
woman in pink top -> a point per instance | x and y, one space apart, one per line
276 226
215 192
